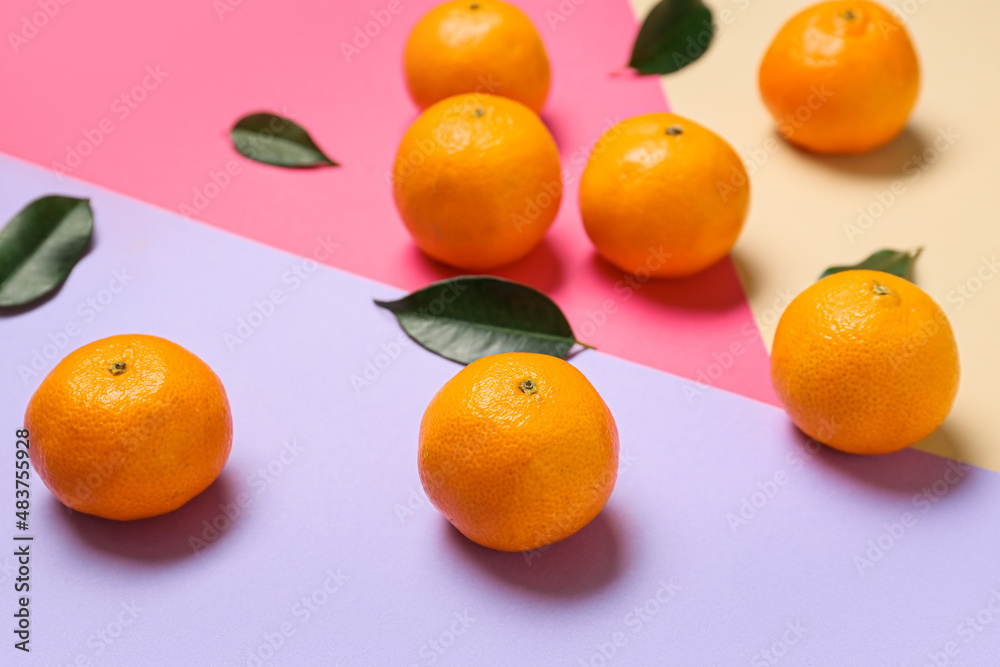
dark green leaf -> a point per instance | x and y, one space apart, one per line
278 141
895 262
41 245
469 317
674 35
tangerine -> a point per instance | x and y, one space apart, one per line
518 450
129 427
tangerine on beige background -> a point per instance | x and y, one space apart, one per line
923 189
477 181
129 427
476 46
518 450
665 195
851 67
865 362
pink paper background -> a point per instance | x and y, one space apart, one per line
214 66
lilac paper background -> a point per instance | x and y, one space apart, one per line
334 505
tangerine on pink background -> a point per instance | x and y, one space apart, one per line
164 140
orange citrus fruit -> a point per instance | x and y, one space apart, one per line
477 181
664 196
129 427
518 451
841 77
865 362
476 46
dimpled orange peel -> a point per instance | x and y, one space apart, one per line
518 451
129 427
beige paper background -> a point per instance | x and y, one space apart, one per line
803 205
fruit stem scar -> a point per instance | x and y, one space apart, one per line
674 130
528 387
474 5
849 15
117 368
479 112
880 289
